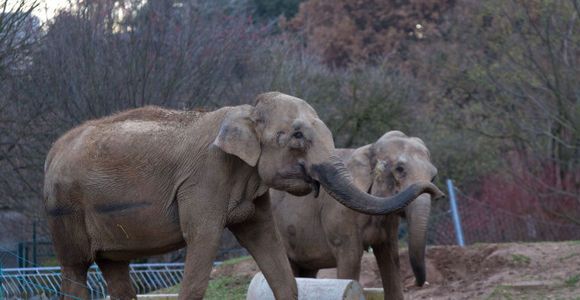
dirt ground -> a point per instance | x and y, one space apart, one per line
546 270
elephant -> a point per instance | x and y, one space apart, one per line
321 233
151 180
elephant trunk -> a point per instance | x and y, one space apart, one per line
417 214
336 180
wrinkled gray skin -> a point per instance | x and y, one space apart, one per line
321 233
150 180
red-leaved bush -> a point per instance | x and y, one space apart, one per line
535 200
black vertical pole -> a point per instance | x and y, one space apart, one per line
1 281
20 255
34 244
25 255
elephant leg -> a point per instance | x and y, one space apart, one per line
116 275
344 240
202 239
72 248
295 269
387 255
260 236
348 250
74 281
348 264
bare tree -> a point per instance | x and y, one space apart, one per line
99 57
19 32
520 84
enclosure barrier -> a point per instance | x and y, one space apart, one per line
455 213
24 283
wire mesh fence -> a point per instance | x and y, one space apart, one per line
26 242
44 282
27 283
22 276
485 223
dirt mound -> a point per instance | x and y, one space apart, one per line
483 271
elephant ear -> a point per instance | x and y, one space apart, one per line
237 135
360 167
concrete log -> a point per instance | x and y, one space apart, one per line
309 289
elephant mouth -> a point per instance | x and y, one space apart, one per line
314 184
299 173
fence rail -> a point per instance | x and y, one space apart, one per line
44 282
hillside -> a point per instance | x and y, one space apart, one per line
549 270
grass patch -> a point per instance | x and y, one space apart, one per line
562 259
49 262
223 287
520 259
231 288
572 281
501 292
235 260
170 290
226 287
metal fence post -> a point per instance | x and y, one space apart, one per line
20 255
26 255
34 260
455 213
1 282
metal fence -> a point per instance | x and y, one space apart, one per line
44 283
30 253
483 222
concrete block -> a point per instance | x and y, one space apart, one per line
309 289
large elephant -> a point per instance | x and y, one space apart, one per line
150 180
321 233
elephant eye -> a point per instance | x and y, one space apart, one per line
400 169
298 135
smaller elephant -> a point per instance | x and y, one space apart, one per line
321 233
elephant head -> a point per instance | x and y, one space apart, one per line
390 165
292 149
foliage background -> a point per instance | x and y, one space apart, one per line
492 86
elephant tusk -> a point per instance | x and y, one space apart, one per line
316 187
314 184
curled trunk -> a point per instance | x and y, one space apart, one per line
336 180
417 215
